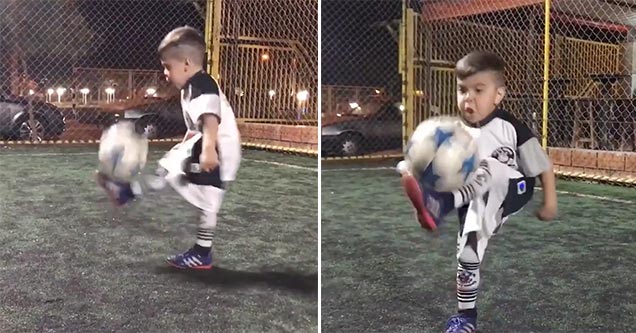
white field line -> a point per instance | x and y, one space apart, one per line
280 164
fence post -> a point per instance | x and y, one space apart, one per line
407 46
546 75
213 35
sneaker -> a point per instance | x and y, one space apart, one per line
430 207
190 259
119 193
461 323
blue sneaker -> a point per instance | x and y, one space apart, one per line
190 259
430 207
461 323
119 193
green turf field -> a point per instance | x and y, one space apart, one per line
382 273
71 263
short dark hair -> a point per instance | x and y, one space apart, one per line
481 61
183 42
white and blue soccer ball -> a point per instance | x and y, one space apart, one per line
441 154
122 151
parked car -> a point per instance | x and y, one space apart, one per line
48 122
159 119
356 133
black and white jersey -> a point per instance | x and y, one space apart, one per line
201 95
507 139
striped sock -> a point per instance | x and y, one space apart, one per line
477 186
204 240
467 285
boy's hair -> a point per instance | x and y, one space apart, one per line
481 61
184 42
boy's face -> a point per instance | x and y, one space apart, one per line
478 96
177 71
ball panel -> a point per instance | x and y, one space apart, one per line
122 151
442 153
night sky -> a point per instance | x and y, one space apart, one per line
126 34
130 31
354 51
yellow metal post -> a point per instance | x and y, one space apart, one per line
407 46
402 68
410 73
208 34
546 75
213 35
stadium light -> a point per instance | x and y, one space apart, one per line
152 91
302 95
50 93
110 94
271 93
354 105
60 91
31 92
264 56
85 92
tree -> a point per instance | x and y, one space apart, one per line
52 29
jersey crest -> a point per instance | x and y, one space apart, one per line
505 155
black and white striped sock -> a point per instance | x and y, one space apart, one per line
467 285
478 185
467 276
204 240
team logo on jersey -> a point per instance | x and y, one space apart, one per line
505 155
521 187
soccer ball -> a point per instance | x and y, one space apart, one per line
441 154
122 152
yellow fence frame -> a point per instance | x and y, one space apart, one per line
408 68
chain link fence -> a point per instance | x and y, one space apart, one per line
570 73
269 67
68 68
360 78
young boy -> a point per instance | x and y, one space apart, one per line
200 167
511 158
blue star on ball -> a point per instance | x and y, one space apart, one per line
428 178
442 136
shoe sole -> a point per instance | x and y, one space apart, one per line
414 193
187 267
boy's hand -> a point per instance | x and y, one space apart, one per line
547 212
209 160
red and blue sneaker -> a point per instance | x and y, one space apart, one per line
191 259
430 206
119 193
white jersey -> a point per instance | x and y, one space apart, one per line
201 95
511 142
514 157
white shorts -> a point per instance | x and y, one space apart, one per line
205 197
509 191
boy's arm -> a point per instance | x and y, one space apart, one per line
549 209
534 162
209 157
205 108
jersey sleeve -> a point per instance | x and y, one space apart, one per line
205 99
532 158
